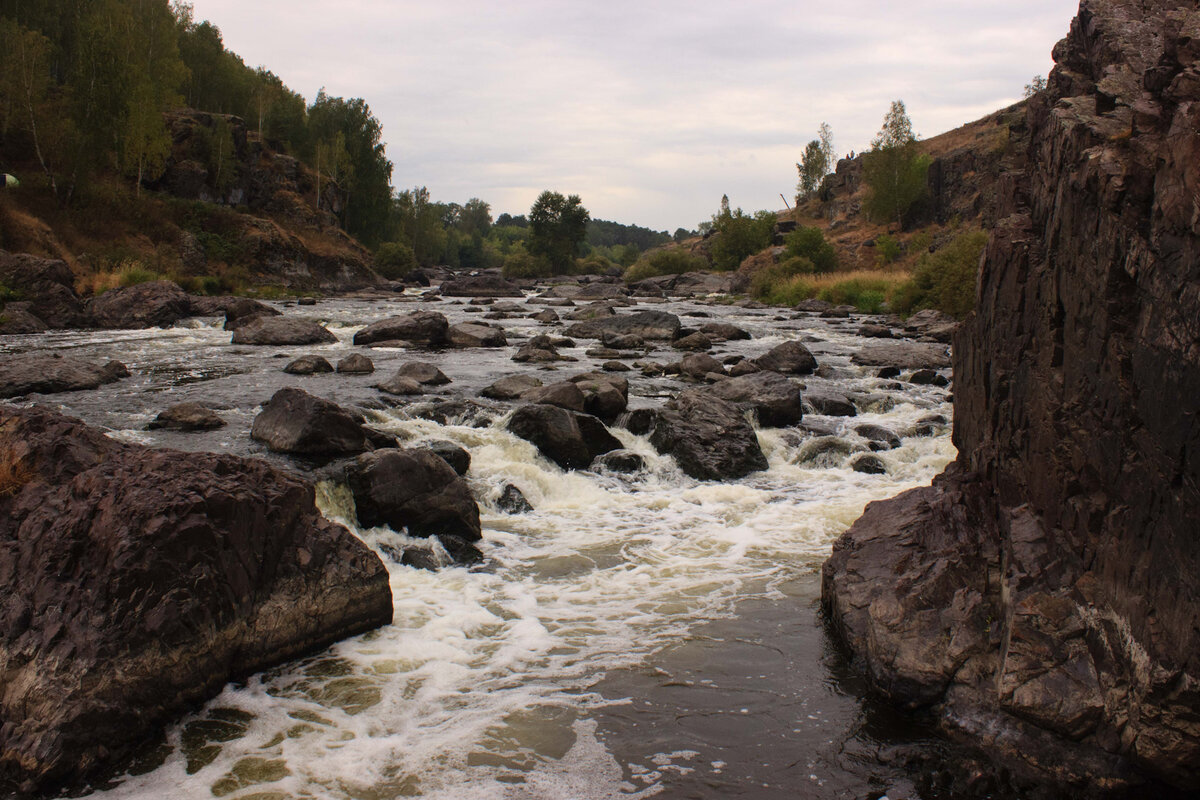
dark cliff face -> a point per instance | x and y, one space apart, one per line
1042 595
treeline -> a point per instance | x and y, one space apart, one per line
84 84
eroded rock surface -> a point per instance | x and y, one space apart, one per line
1041 597
137 582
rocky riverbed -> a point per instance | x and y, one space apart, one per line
723 448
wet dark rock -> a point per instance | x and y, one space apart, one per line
697 365
306 301
567 438
513 501
454 412
888 372
308 365
723 331
623 341
563 394
510 387
138 582
931 324
539 349
294 421
639 421
419 327
546 316
615 366
471 334
709 437
868 465
830 404
812 305
878 435
838 312
155 304
356 364
873 331
743 366
1040 598
646 324
49 373
790 358
774 399
623 461
18 317
905 355
923 377
241 310
422 372
413 490
401 386
592 311
481 286
693 341
826 451
604 395
267 330
187 417
457 457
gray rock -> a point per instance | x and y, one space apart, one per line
471 334
414 490
774 399
267 330
708 437
293 421
308 365
790 358
356 364
49 373
567 438
187 417
420 327
511 387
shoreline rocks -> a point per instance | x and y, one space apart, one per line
138 582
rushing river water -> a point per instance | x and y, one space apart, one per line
632 636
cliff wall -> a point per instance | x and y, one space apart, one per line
1042 595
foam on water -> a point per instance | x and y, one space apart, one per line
481 686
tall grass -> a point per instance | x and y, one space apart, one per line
866 290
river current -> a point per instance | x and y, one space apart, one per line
632 636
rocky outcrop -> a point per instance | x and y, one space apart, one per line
48 373
1041 596
137 582
46 285
155 304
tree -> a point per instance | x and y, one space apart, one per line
1038 84
475 217
825 135
557 227
738 235
681 234
893 169
812 169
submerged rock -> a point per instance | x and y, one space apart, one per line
138 582
49 373
512 501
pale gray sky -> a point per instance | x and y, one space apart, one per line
649 110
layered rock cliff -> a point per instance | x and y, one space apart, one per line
1041 597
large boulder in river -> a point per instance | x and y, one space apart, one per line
146 305
475 334
242 310
136 583
267 330
1040 598
567 438
789 357
481 286
413 490
646 324
709 437
905 355
294 421
187 417
48 373
420 327
604 395
774 398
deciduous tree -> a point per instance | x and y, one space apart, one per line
893 169
557 227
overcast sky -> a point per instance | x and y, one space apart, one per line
649 110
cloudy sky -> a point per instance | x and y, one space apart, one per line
649 110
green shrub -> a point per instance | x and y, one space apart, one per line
394 260
521 264
865 294
764 282
669 261
133 274
593 264
810 243
887 250
944 280
737 235
7 294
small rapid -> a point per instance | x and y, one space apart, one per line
488 683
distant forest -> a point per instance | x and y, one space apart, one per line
84 84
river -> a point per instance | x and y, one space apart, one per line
633 636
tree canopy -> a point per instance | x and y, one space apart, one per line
894 170
557 228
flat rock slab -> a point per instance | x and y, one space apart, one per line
905 355
146 305
268 330
48 373
646 324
